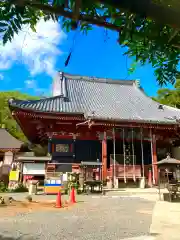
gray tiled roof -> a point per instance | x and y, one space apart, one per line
7 141
103 99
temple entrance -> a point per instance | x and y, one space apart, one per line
130 159
87 150
129 154
83 150
119 150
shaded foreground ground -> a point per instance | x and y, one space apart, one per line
95 218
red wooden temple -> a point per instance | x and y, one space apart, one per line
95 119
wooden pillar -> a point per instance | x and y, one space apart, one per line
154 160
104 157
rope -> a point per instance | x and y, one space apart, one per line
71 49
142 152
134 175
124 153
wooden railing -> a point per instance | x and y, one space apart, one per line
128 171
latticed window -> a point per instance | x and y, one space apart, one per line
62 148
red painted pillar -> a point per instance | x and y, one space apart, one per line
104 157
154 160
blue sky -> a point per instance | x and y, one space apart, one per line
29 63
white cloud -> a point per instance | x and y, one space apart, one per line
38 51
30 84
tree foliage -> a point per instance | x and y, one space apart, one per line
14 17
148 40
169 97
38 150
6 118
11 125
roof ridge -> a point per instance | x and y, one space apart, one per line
99 79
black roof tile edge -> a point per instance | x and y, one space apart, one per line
99 80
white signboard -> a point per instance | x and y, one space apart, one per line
34 168
65 177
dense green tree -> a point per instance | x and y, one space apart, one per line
169 97
146 27
6 118
11 125
38 150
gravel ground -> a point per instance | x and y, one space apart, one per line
96 218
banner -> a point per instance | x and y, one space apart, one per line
14 176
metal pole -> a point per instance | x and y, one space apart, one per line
114 157
142 152
151 137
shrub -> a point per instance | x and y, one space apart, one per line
20 188
3 187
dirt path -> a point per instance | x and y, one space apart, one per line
17 207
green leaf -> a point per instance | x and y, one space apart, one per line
3 24
33 28
18 23
14 27
146 40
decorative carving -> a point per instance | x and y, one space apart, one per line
89 122
49 134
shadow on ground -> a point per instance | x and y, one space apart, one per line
13 238
7 238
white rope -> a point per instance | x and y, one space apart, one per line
124 154
142 152
134 175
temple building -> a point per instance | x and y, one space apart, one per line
96 119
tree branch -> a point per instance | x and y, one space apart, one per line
67 14
99 21
174 34
159 13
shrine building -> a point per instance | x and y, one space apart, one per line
98 119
